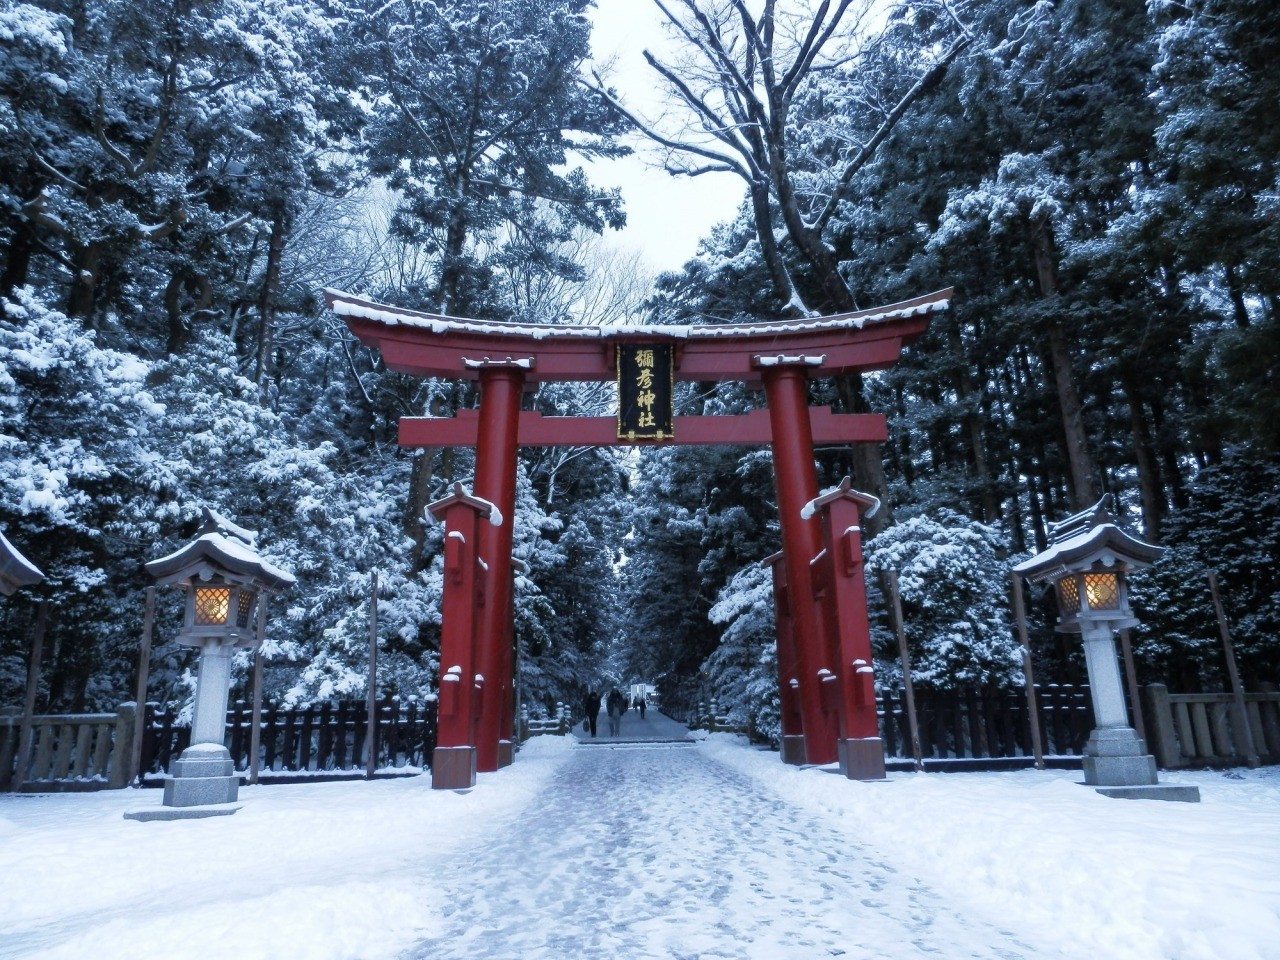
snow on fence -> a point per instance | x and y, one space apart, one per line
319 740
67 751
1206 729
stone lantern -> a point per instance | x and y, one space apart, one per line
224 580
1088 564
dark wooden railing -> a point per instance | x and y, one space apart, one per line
967 725
312 741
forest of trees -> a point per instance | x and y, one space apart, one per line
1100 182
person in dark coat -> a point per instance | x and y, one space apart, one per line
616 705
643 704
592 709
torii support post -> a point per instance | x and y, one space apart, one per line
453 764
788 680
501 385
786 388
860 749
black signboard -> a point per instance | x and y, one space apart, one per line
646 381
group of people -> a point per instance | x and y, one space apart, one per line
615 706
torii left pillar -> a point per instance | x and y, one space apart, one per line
453 764
501 385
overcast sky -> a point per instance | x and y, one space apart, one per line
666 216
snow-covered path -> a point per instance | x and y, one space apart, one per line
608 850
659 851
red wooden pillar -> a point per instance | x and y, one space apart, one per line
453 764
786 384
501 384
788 669
860 749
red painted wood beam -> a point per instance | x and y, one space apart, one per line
539 431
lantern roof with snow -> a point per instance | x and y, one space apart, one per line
221 548
1087 539
16 571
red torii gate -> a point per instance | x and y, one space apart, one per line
825 679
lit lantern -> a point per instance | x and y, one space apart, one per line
1087 564
225 580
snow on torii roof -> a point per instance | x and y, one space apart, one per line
221 546
15 569
427 344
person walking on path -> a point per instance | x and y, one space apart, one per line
642 706
616 704
592 709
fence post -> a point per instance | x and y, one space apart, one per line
255 733
1163 740
908 690
140 698
26 732
1242 733
121 762
371 737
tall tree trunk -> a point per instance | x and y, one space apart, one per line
84 283
270 298
17 262
415 521
1144 456
779 277
1079 461
966 393
866 460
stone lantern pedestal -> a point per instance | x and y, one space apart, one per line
225 582
205 773
1087 564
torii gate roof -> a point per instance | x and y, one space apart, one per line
431 345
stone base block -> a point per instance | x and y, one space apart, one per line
1117 757
453 768
1154 791
182 813
1120 771
506 753
188 791
793 750
861 759
204 775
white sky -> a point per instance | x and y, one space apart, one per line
666 216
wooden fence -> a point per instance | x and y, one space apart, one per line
67 752
974 729
325 739
963 729
1207 730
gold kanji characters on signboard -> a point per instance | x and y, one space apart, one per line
644 385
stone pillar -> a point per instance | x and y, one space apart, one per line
1114 755
786 388
205 773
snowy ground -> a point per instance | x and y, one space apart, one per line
613 851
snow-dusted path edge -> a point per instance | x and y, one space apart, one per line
1053 860
320 871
